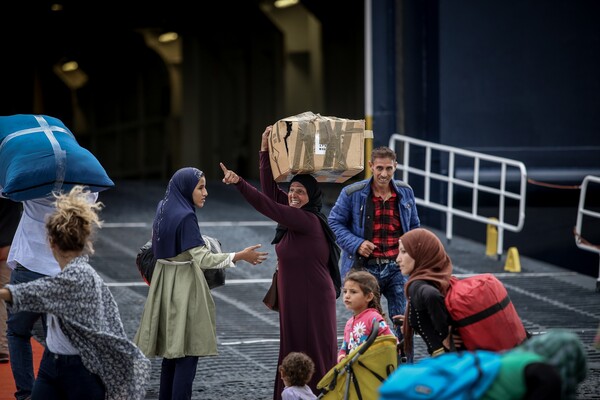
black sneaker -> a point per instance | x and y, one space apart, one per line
3 358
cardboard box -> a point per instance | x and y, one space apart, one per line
329 148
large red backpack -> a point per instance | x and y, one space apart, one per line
483 314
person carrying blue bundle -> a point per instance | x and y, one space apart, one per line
30 258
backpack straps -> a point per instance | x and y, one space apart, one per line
493 309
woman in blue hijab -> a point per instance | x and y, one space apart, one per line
178 321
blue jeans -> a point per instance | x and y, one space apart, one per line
176 378
18 333
391 285
62 377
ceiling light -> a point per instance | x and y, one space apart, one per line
70 66
168 37
285 3
71 74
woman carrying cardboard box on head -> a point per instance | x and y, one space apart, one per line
307 261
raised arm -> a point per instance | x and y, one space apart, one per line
267 184
294 219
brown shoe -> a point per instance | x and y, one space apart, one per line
3 358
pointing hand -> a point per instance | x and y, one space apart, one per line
228 175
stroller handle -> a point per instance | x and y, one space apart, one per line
346 368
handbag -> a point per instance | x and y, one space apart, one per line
215 277
270 298
145 262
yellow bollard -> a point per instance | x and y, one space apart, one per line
513 264
491 243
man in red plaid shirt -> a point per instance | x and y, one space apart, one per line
368 218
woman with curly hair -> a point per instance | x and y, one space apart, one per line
88 354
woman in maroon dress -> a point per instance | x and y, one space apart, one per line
307 259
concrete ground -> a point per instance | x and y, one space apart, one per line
544 295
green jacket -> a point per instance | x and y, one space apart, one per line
510 382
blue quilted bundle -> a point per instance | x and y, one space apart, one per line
39 155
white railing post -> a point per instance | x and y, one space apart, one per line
581 212
471 178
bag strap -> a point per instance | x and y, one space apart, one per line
375 374
483 314
402 359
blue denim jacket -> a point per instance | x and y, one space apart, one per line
348 217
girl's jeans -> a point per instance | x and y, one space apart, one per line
65 377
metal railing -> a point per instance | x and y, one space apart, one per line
455 170
587 212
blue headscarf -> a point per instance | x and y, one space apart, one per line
175 228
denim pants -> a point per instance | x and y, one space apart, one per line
18 333
391 285
5 272
63 377
176 378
